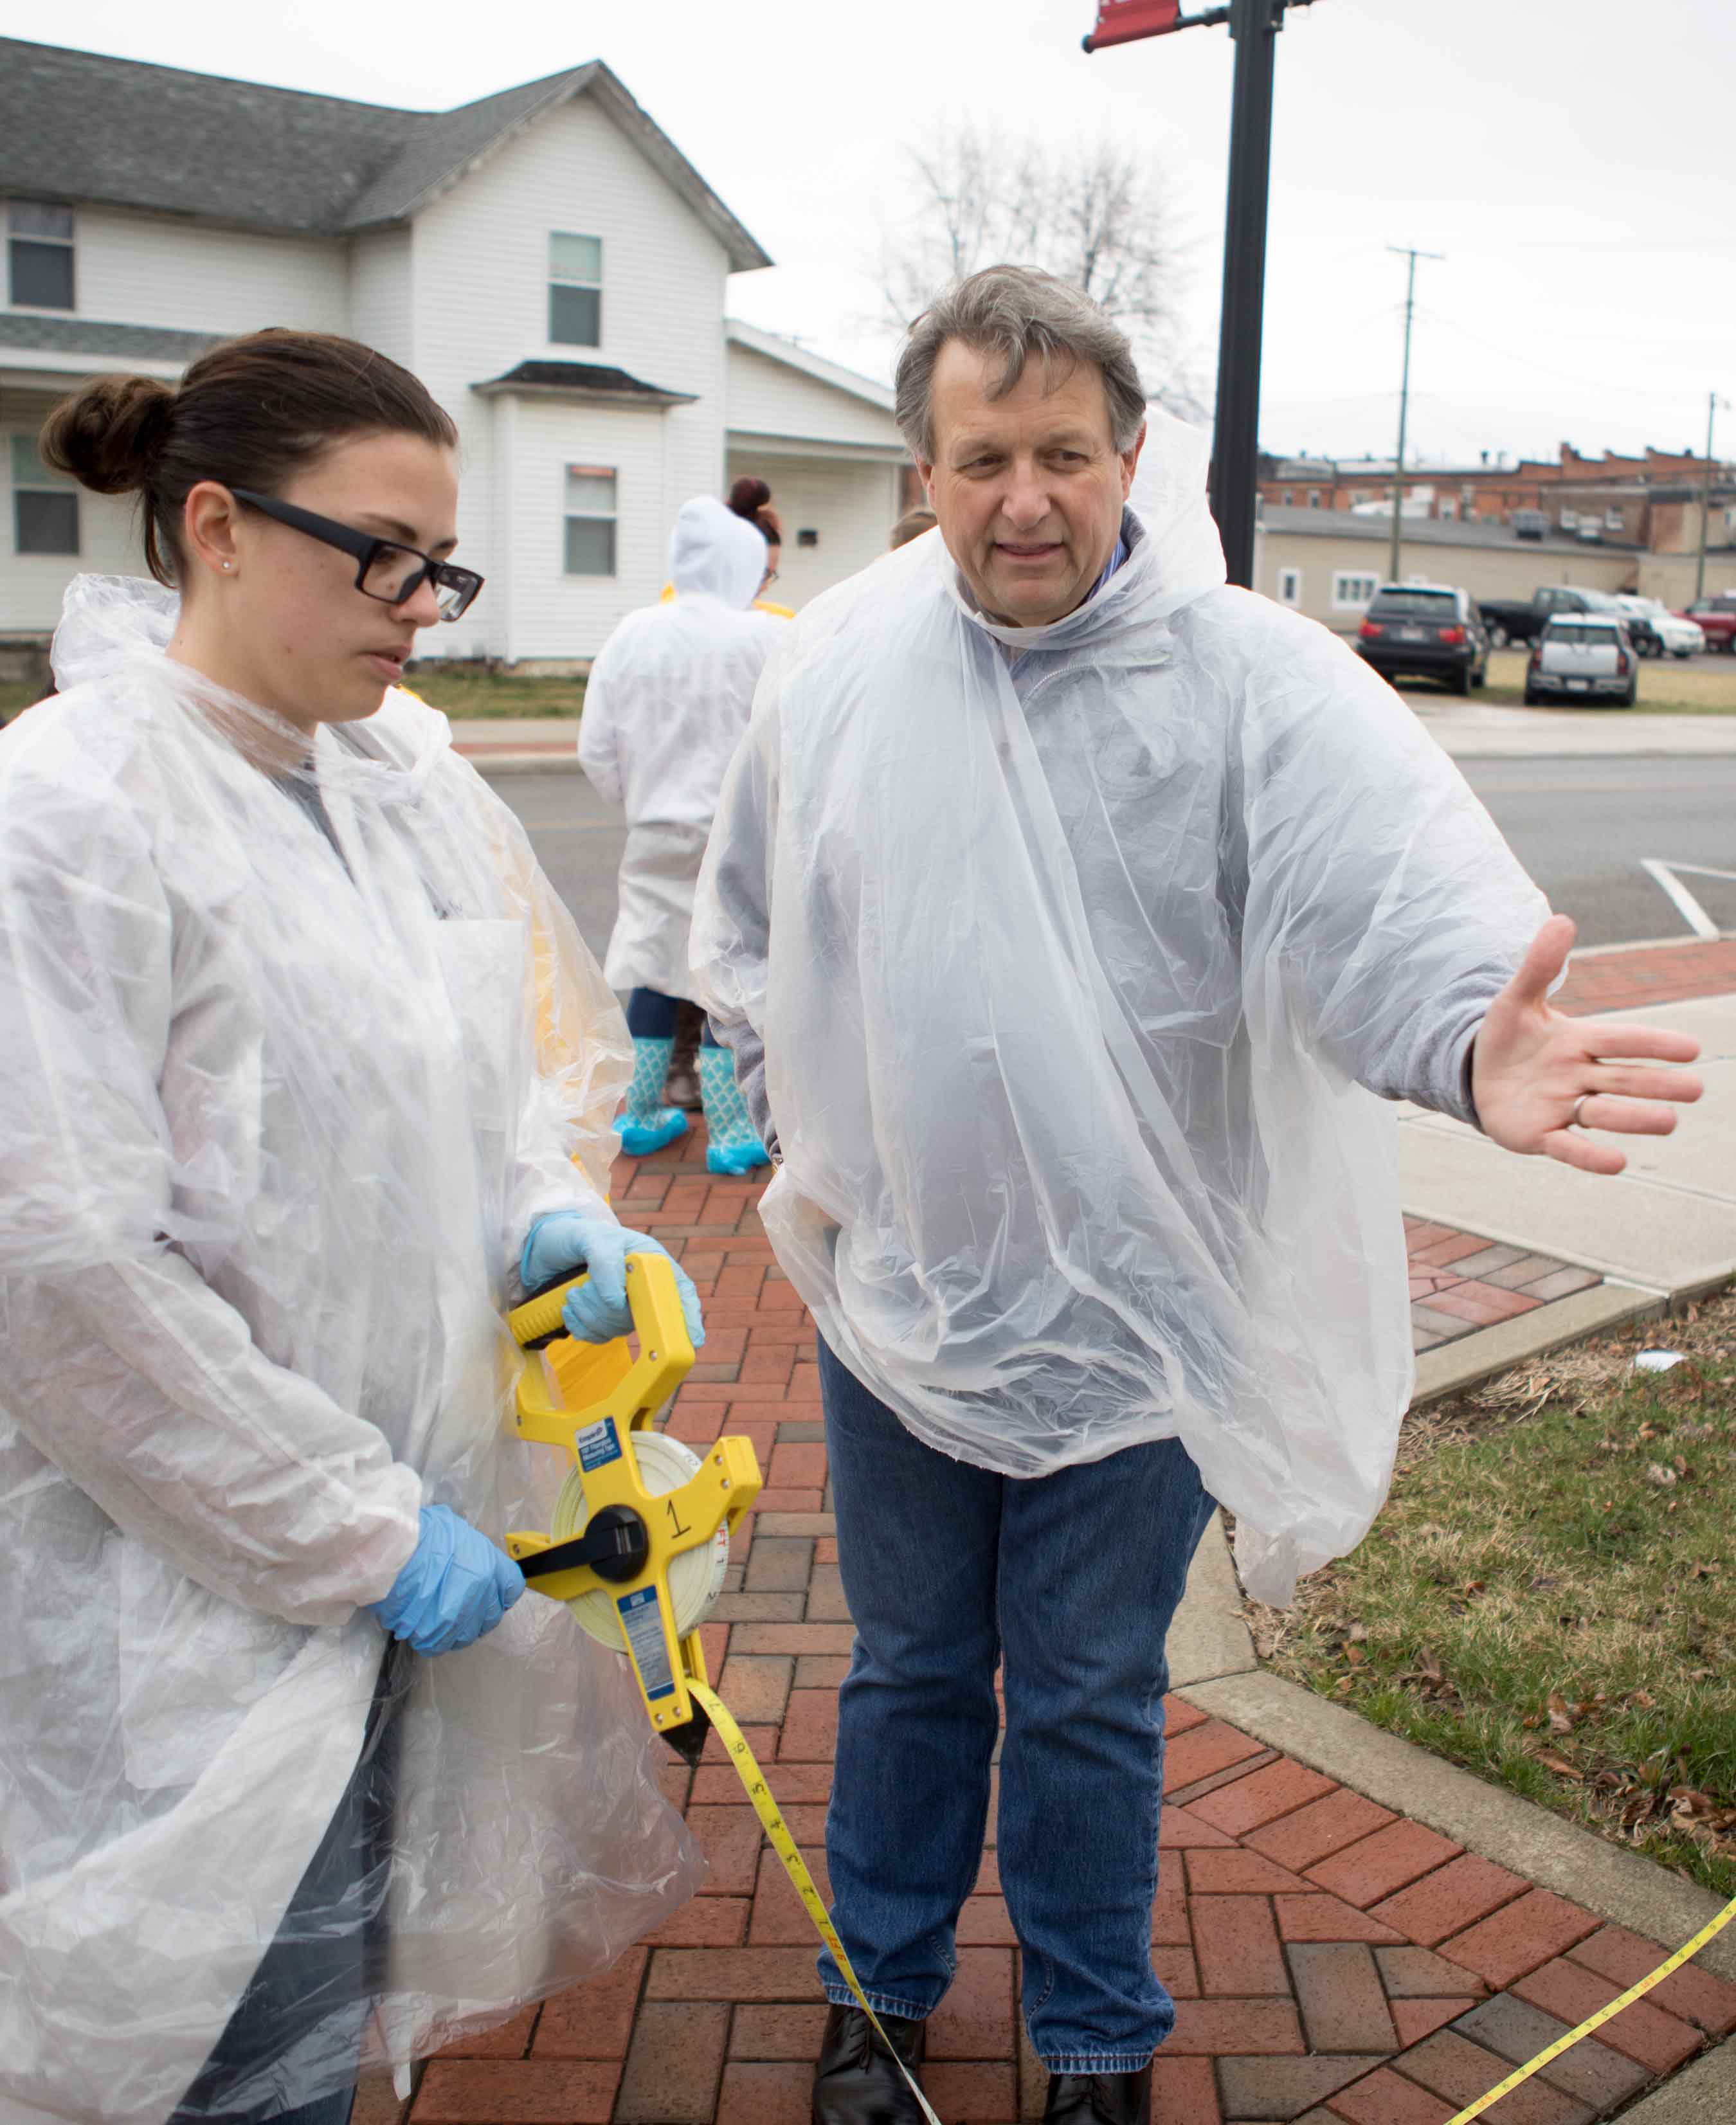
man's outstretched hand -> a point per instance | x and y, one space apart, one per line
1530 1064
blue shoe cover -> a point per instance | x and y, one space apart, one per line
640 1135
736 1158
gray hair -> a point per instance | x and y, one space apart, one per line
1015 312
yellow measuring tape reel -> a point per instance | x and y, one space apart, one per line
640 1539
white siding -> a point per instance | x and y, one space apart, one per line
147 269
32 585
380 293
853 506
480 271
553 614
769 397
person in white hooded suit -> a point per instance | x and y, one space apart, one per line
1066 911
309 1075
665 704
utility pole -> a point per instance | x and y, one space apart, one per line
1713 402
1253 26
1403 251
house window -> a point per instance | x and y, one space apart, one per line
45 503
1353 593
1290 587
38 246
1449 508
575 290
1313 498
589 530
1289 496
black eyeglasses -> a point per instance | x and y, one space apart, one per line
384 570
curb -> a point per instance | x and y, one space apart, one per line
1547 1850
1470 1358
1702 2093
558 760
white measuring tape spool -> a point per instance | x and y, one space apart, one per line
695 1576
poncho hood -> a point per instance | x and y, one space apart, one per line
713 553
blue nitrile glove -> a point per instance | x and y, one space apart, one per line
455 1589
598 1311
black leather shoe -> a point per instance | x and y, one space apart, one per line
1099 2099
857 2082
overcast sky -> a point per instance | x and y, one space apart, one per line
1572 158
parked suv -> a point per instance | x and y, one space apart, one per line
1426 631
1586 655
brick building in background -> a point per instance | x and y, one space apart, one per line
1650 502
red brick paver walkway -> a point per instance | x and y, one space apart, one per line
1649 974
1332 1962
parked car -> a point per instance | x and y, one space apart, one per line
1529 523
1658 632
1426 631
1587 654
1716 617
1506 621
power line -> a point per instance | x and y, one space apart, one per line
1411 254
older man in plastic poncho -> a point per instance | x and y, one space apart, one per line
1066 910
665 707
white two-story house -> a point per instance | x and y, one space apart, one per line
546 260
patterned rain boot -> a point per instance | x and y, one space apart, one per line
734 1148
646 1124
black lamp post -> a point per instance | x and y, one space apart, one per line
1253 26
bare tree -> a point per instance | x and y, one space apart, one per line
1091 213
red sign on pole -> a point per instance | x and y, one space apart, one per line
1121 21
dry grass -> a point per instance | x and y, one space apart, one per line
1666 687
468 694
1549 1597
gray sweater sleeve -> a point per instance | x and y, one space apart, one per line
1380 893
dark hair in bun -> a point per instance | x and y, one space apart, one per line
252 412
751 498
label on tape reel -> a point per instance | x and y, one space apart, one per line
597 1444
642 1621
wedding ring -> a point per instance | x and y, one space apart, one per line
1574 1120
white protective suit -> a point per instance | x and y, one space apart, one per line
294 1054
665 707
1069 950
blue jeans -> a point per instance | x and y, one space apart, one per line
1069 1580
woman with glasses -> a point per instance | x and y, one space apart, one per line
308 1075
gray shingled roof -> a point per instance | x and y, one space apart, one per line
81 126
85 336
583 379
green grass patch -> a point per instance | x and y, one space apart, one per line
15 694
468 694
1549 1597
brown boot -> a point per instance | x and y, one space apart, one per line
681 1088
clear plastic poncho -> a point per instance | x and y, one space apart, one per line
1072 950
294 1048
665 704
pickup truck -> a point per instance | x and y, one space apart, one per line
1508 622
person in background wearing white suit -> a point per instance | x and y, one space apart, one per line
1065 910
308 1075
665 706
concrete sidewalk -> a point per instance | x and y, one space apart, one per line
1466 729
1660 1233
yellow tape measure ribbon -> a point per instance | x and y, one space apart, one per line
765 1806
1683 1955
